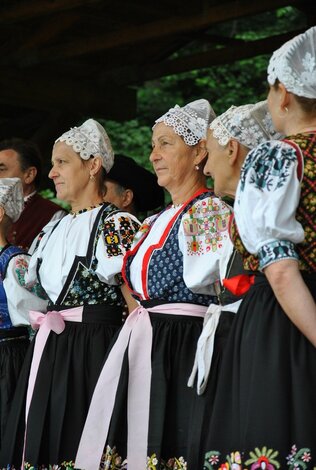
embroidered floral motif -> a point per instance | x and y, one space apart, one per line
305 213
111 460
298 459
111 238
20 269
211 459
307 206
127 231
204 225
266 169
263 459
86 287
70 465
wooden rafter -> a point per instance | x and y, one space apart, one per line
172 26
54 94
22 11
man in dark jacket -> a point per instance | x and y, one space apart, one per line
21 158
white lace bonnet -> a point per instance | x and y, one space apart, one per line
90 139
249 124
294 64
189 122
11 197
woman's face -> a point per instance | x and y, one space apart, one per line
69 173
217 164
172 159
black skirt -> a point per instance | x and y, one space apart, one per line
67 374
203 404
173 351
13 347
265 405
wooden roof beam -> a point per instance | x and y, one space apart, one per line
54 94
171 26
22 11
215 57
46 33
224 55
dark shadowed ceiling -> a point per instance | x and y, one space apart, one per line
64 59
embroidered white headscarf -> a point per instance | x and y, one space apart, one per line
11 197
189 122
249 124
294 65
90 139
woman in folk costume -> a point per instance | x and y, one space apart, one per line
14 335
230 137
264 409
172 271
78 262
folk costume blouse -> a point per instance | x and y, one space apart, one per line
176 254
78 259
283 172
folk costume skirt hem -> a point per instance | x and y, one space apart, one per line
67 374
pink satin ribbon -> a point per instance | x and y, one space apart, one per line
45 323
136 335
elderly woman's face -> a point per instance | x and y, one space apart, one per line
69 173
172 159
217 164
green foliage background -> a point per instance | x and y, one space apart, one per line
235 83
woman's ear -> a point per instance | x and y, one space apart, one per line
2 213
95 165
201 152
285 97
233 148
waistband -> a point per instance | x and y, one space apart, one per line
104 313
19 332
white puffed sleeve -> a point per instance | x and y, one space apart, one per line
267 197
20 300
203 239
115 241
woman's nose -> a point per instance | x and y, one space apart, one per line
154 155
52 173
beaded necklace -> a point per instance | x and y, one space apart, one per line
86 209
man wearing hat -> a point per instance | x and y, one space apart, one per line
132 188
13 311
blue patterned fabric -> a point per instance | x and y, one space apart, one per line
276 251
5 257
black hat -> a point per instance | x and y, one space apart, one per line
148 195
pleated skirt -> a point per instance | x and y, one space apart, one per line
173 350
12 354
67 374
264 411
